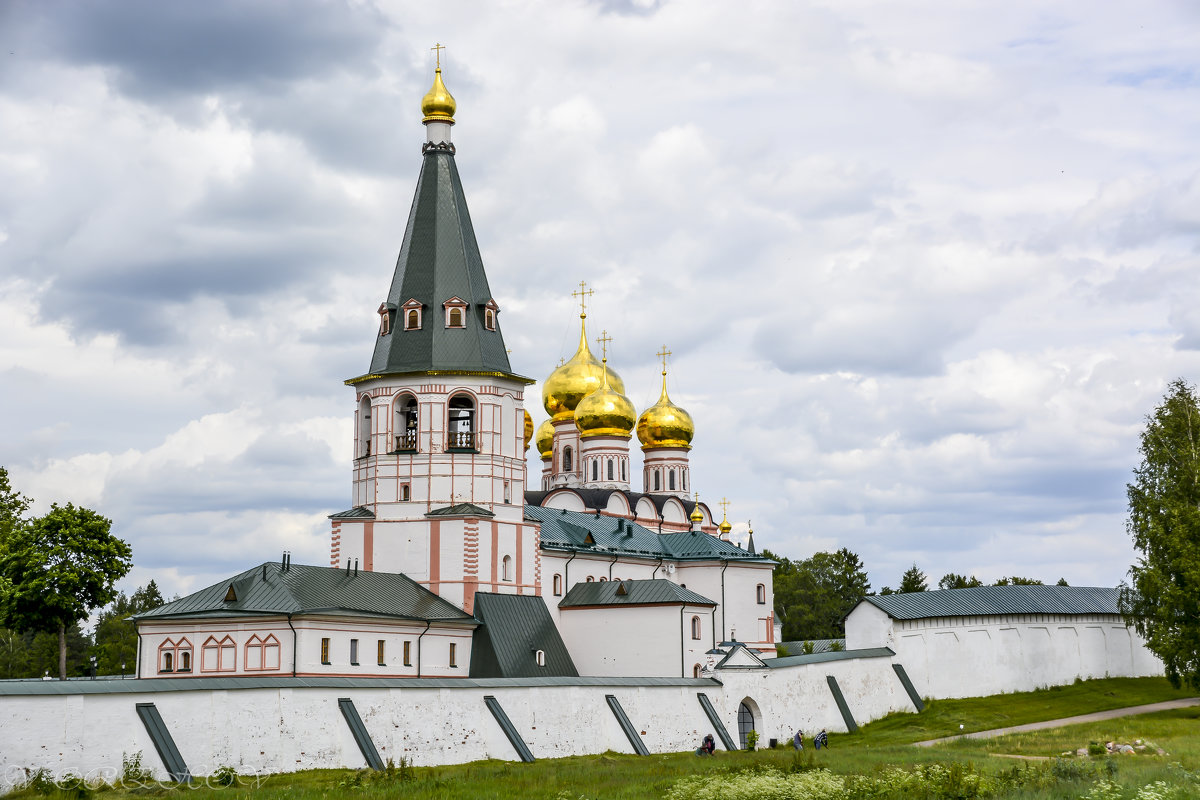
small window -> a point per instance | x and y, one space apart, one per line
453 654
507 494
379 654
590 579
408 654
405 493
623 473
695 670
168 661
456 318
610 469
540 658
385 320
324 651
566 459
595 470
506 569
185 660
761 592
558 585
414 320
684 476
657 481
354 652
695 627
603 579
489 319
671 480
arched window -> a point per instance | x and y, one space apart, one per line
540 658
166 656
461 435
558 585
364 427
671 480
406 424
185 658
405 493
684 487
695 670
456 318
590 579
595 469
566 459
623 478
610 469
761 592
657 481
414 320
385 320
506 570
695 627
489 319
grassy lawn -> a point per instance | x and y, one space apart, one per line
873 751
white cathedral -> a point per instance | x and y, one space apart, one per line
448 564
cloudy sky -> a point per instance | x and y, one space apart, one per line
924 266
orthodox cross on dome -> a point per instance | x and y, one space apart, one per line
603 339
437 48
724 504
583 294
663 355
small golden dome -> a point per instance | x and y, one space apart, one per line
665 424
576 379
528 428
544 439
605 413
697 514
724 527
438 104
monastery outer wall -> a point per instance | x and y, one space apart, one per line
289 727
982 655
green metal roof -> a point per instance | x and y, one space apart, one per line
990 600
515 627
460 510
657 591
819 645
147 685
439 260
820 658
358 512
569 530
304 589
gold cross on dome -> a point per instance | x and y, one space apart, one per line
583 294
603 339
437 48
663 355
724 504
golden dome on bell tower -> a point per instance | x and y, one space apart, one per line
438 104
579 377
528 428
544 439
665 424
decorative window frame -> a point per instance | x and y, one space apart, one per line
490 310
166 650
267 652
413 305
225 654
387 316
696 628
760 594
448 308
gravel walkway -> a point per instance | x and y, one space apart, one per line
1058 723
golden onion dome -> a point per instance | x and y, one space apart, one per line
724 527
438 104
528 428
544 439
576 379
697 514
605 413
665 424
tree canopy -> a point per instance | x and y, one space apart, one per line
57 568
1163 602
913 580
814 595
954 581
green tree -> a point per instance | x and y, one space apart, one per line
953 581
116 637
57 569
913 580
1017 580
13 506
813 596
1163 602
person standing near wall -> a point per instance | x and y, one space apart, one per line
798 740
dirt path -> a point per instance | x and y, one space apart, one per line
1112 713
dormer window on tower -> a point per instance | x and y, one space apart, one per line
456 312
412 315
489 315
387 312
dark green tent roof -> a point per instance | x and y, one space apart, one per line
304 589
657 591
515 627
439 261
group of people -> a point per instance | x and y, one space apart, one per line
709 745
